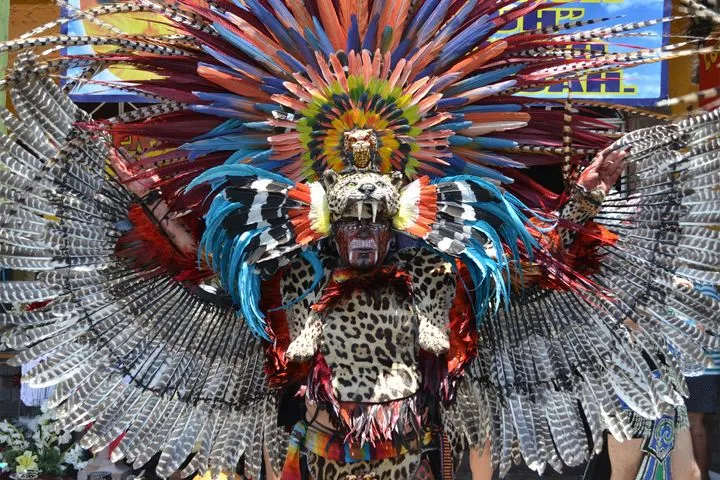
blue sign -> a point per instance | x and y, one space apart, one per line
641 85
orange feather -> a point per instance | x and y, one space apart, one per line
335 32
339 72
308 86
300 12
289 102
324 69
429 103
366 66
345 11
477 59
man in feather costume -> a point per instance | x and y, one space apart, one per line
335 218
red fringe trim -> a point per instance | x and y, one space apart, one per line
462 326
345 281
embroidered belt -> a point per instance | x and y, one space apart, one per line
333 447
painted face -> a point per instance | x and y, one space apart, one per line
362 243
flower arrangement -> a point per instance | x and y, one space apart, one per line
34 448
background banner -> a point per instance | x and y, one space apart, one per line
709 72
642 85
133 23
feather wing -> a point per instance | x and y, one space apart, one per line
126 325
554 353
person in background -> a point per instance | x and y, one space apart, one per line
703 386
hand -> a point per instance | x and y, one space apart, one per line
604 170
431 338
307 342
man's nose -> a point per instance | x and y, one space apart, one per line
367 188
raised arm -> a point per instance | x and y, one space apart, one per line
587 196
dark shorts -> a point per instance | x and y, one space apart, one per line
703 393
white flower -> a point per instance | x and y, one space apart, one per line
11 437
73 457
65 437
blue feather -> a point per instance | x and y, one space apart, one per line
460 141
272 90
454 126
497 160
283 13
231 62
449 103
495 143
274 82
267 107
465 41
483 79
458 20
226 126
325 42
353 40
480 171
460 165
249 282
314 41
254 157
420 17
221 99
444 81
433 21
304 48
400 52
295 65
371 34
239 156
270 22
227 142
218 111
222 174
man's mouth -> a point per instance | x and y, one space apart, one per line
368 208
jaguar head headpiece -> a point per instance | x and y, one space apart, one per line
364 194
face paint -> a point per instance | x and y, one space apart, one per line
362 243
